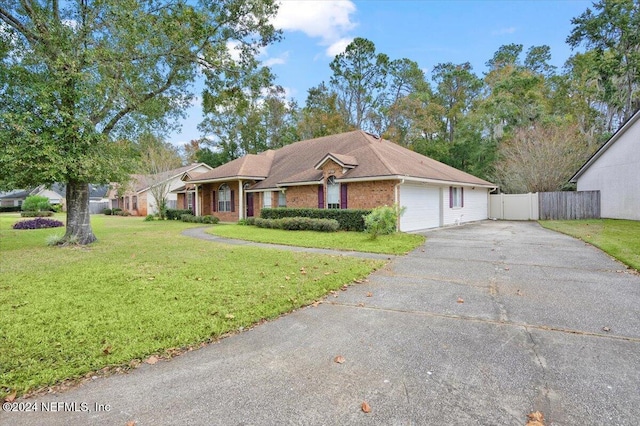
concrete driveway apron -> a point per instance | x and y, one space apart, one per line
482 325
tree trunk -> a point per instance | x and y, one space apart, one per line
78 219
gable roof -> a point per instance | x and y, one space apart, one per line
365 156
630 122
141 183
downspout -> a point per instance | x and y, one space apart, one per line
195 201
396 201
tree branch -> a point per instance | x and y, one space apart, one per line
135 105
13 22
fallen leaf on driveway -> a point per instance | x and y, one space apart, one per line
366 408
316 303
339 359
535 419
151 360
11 397
369 294
131 423
361 305
460 300
607 329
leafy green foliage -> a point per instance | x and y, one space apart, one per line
382 221
150 218
299 224
349 219
189 218
123 67
46 213
176 214
36 203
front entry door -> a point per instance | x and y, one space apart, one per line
249 204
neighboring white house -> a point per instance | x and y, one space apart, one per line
139 199
614 170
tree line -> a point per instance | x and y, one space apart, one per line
523 124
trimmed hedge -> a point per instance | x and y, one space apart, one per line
199 219
176 214
348 219
44 213
299 224
9 209
107 212
38 223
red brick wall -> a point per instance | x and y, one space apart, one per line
360 195
302 196
205 192
367 195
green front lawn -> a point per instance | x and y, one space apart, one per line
619 238
142 289
398 243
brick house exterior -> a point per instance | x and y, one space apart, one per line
349 170
137 197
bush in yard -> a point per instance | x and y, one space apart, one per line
8 209
211 220
149 218
46 213
176 214
107 212
37 223
36 203
349 219
299 224
382 221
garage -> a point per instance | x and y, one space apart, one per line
422 207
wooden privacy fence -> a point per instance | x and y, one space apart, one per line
569 205
545 205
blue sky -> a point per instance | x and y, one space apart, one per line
426 31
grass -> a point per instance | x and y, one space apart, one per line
618 238
398 243
142 289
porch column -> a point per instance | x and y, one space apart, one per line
240 200
196 206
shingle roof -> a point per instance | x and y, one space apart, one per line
371 157
143 182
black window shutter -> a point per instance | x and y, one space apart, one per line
320 196
451 197
214 207
343 195
461 197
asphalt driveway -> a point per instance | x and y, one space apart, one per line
481 326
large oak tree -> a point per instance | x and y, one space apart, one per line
78 76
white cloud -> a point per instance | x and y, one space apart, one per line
329 20
502 31
278 60
234 50
338 47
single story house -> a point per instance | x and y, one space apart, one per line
348 170
56 193
138 198
13 198
614 170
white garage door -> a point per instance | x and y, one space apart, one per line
422 207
